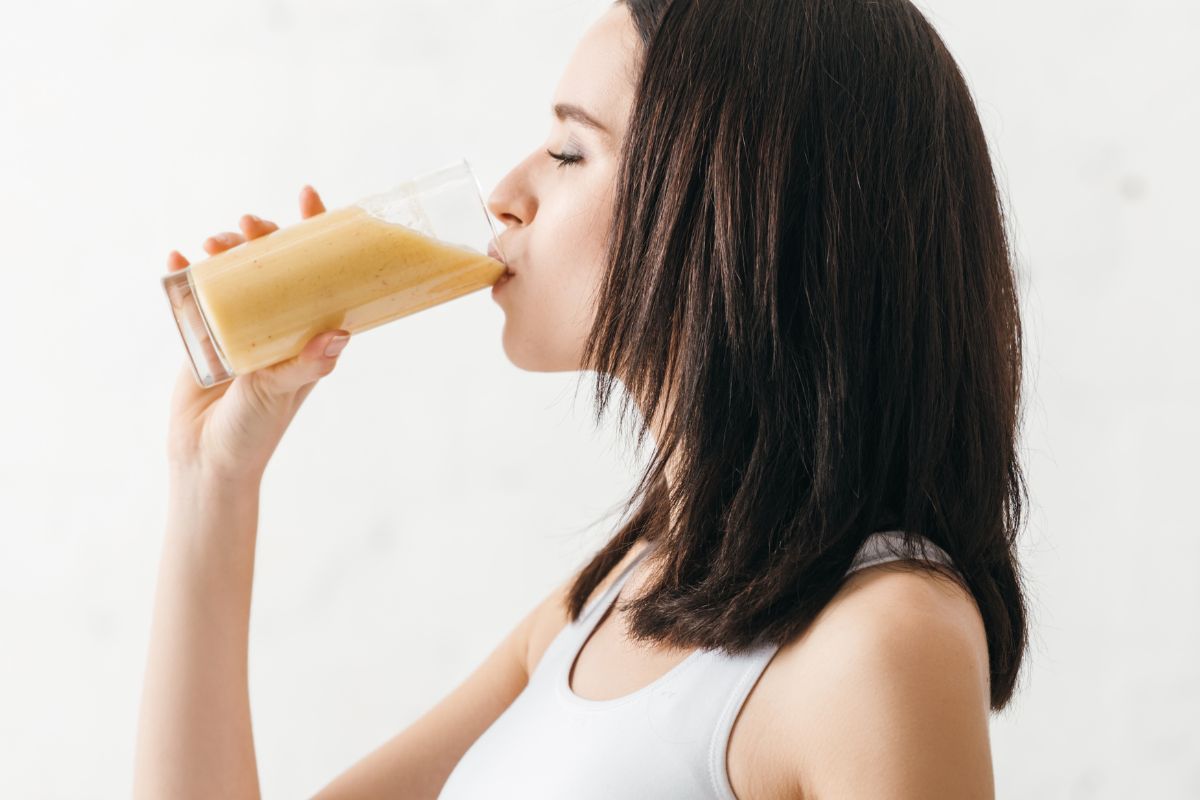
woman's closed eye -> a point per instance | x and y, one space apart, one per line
565 159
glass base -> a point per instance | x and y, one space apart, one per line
208 365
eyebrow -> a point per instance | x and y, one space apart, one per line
566 111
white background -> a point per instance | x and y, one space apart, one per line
429 493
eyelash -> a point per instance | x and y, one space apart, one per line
565 159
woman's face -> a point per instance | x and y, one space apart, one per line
556 215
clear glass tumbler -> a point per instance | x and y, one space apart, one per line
389 255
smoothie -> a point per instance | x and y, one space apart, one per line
264 299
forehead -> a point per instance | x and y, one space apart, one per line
599 74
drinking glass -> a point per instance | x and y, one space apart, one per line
417 245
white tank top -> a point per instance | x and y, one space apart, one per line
666 740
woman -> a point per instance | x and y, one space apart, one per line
776 224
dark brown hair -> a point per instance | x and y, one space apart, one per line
809 267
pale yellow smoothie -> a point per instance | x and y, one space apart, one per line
264 299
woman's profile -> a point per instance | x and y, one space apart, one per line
775 226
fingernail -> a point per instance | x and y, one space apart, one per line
335 345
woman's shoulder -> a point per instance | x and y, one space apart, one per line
892 610
894 673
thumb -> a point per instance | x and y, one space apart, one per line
315 361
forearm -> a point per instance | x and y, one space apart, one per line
194 734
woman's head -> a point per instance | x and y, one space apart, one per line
799 253
557 212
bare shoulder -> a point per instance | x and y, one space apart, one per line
889 691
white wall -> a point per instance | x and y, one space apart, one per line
429 492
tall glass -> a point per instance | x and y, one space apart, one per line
389 255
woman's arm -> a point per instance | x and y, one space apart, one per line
194 734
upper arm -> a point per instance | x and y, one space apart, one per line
416 762
905 714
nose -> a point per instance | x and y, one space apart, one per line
513 201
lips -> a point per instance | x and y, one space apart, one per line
494 253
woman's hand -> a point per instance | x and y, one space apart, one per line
230 430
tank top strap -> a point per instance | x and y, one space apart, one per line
745 670
890 545
562 650
598 606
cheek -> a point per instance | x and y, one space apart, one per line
563 299
589 260
577 245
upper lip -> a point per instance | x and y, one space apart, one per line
494 253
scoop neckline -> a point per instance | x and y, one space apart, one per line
567 693
563 682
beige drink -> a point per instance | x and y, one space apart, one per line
266 298
387 256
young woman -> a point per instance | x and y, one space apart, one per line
775 223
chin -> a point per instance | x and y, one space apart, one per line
531 353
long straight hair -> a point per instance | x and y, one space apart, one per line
808 266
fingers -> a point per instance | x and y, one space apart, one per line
222 241
310 365
254 227
176 261
310 202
